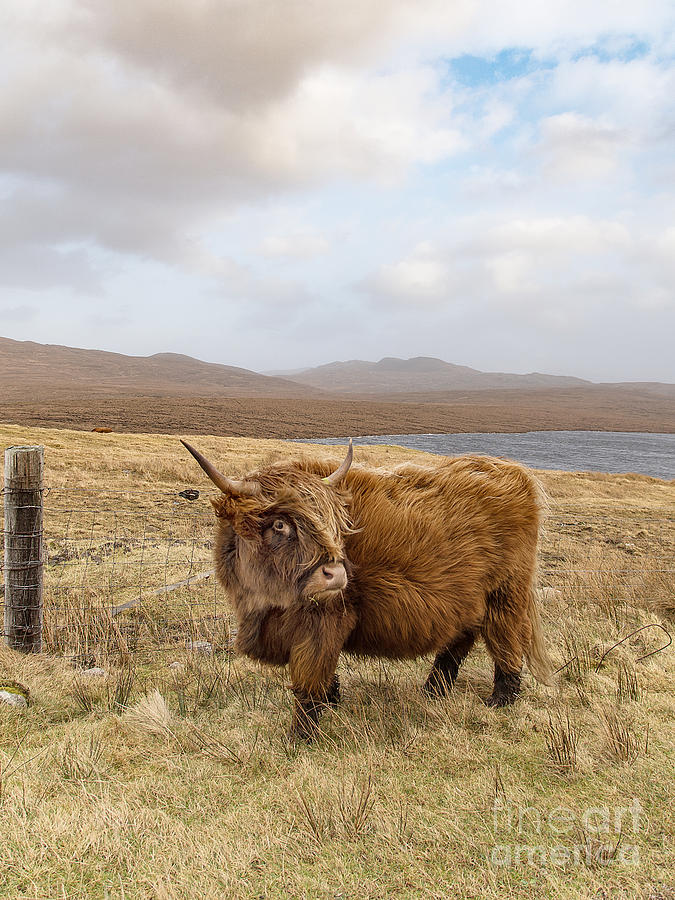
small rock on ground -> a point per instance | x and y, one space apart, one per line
13 699
200 646
94 672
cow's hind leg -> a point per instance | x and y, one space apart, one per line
446 665
507 633
506 688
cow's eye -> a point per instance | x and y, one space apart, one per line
278 531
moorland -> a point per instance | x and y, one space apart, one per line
170 775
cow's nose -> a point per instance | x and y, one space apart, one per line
334 575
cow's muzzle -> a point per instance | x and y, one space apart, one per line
326 578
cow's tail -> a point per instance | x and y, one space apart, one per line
538 660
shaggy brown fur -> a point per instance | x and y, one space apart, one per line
436 557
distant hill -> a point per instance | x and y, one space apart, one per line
32 373
63 387
420 374
29 370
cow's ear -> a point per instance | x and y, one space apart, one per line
243 514
221 507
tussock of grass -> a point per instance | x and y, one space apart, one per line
150 715
562 741
625 740
176 783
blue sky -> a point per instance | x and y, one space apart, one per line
490 184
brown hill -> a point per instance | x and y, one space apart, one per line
29 370
419 374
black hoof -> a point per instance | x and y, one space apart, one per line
506 688
500 699
298 735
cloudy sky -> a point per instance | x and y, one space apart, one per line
279 183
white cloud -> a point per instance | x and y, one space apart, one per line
557 235
547 268
512 272
298 245
364 125
559 27
422 277
577 147
490 180
635 95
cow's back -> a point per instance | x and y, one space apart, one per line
431 543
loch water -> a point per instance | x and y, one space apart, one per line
573 451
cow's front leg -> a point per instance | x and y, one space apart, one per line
266 635
319 637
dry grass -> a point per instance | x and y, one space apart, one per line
562 740
178 782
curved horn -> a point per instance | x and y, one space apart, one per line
225 484
337 476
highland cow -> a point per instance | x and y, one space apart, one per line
395 564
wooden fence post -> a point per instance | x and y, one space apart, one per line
24 563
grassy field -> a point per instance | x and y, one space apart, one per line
171 776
